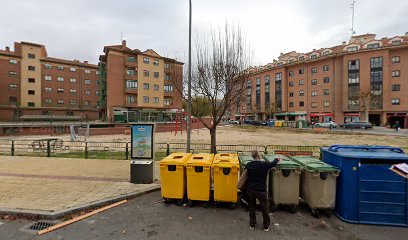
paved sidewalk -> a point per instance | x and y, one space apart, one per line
45 186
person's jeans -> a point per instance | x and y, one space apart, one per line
262 198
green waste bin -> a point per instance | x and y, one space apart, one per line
243 160
284 181
318 184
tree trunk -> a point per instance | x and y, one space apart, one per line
213 131
366 115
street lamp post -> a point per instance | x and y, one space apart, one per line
189 83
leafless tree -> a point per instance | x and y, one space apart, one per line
219 74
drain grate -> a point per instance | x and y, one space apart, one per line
38 226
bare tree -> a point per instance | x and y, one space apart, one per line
219 75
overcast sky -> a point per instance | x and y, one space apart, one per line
78 29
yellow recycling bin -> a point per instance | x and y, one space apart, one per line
173 176
198 169
225 169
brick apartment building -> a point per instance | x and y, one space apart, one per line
341 83
138 86
36 87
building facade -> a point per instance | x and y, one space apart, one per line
365 79
36 87
139 86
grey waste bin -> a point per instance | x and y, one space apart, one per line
141 171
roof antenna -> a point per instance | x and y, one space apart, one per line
121 36
352 18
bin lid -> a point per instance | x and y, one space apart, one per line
245 158
285 163
176 158
201 159
320 167
226 160
302 160
368 152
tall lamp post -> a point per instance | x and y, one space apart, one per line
189 83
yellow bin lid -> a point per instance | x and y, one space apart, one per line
226 160
176 159
201 159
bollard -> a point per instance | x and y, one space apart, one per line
168 149
48 148
12 148
86 150
266 149
127 151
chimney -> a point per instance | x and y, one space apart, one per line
314 49
86 62
7 48
406 34
343 43
281 54
123 43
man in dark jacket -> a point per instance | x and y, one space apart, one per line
256 186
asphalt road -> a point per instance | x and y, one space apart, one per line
376 130
146 218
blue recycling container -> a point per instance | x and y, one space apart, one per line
367 190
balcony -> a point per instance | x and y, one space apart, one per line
131 90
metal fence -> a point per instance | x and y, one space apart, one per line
122 150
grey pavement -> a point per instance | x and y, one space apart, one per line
146 217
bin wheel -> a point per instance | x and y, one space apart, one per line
216 205
190 203
232 206
293 209
165 200
180 202
315 213
274 207
329 212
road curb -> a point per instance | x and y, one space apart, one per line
59 214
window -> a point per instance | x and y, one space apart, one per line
167 77
352 49
131 59
72 69
60 101
168 88
155 99
97 93
88 82
301 71
60 79
156 87
156 62
13 61
302 82
97 82
326 92
131 72
145 99
258 81
87 103
301 93
314 81
324 53
31 80
301 58
396 42
373 45
291 83
73 80
60 90
156 74
31 104
146 60
12 86
146 73
326 80
314 93
326 68
314 56
395 101
146 86
314 70
31 92
376 62
301 104
314 104
97 72
395 59
72 102
291 94
12 100
167 101
47 89
279 64
87 71
326 104
395 73
31 55
61 68
47 66
354 65
167 65
395 87
291 104
73 91
48 100
13 74
291 73
131 99
87 92
131 84
354 77
278 76
31 68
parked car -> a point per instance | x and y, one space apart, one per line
233 121
329 124
362 125
256 123
247 121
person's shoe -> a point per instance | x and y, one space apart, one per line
266 229
252 227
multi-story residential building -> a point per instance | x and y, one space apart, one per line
364 79
139 86
34 86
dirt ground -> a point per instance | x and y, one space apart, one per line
246 135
